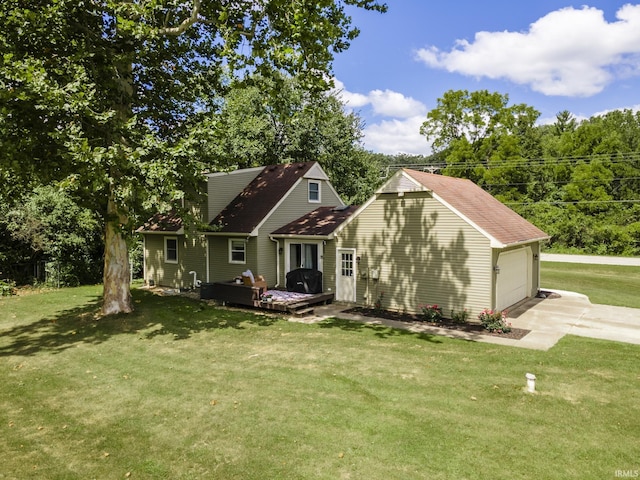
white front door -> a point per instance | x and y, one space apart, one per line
346 275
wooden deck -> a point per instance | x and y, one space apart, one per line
231 293
302 306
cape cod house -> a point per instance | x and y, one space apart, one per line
421 239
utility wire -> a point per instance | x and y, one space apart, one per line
565 182
576 202
536 162
612 158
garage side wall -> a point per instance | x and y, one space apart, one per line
424 254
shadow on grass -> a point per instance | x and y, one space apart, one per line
176 316
381 331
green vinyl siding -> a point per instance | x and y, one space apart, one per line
220 269
329 267
191 257
294 206
222 188
424 252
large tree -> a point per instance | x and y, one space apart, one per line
263 121
480 134
105 96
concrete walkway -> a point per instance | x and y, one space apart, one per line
548 319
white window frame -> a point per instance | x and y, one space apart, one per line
318 183
232 251
166 250
287 253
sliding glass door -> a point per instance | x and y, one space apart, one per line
303 255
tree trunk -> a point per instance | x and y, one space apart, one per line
117 288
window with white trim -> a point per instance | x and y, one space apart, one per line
171 249
314 191
347 264
237 250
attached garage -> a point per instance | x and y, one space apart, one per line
433 239
513 281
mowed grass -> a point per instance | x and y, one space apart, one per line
183 390
603 284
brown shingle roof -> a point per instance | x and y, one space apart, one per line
253 204
481 208
321 222
162 222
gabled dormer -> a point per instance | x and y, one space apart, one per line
264 194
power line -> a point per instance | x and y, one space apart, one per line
558 182
612 158
576 202
565 161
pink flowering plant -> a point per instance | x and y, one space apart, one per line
494 320
431 313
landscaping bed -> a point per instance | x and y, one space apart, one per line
477 328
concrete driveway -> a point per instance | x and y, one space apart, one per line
548 319
562 313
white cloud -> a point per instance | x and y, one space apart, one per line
397 136
393 104
570 52
384 102
399 131
351 100
355 100
581 117
633 108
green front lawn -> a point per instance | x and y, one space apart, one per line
181 390
603 284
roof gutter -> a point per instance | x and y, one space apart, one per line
162 232
302 237
496 244
230 234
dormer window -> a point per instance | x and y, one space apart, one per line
314 191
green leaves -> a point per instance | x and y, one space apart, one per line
580 182
265 121
107 95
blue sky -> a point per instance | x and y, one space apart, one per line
552 55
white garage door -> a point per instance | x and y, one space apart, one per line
513 279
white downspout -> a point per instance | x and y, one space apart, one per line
277 242
144 260
207 256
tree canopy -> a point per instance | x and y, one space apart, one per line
104 97
269 121
54 227
579 181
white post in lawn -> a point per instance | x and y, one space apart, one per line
531 382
